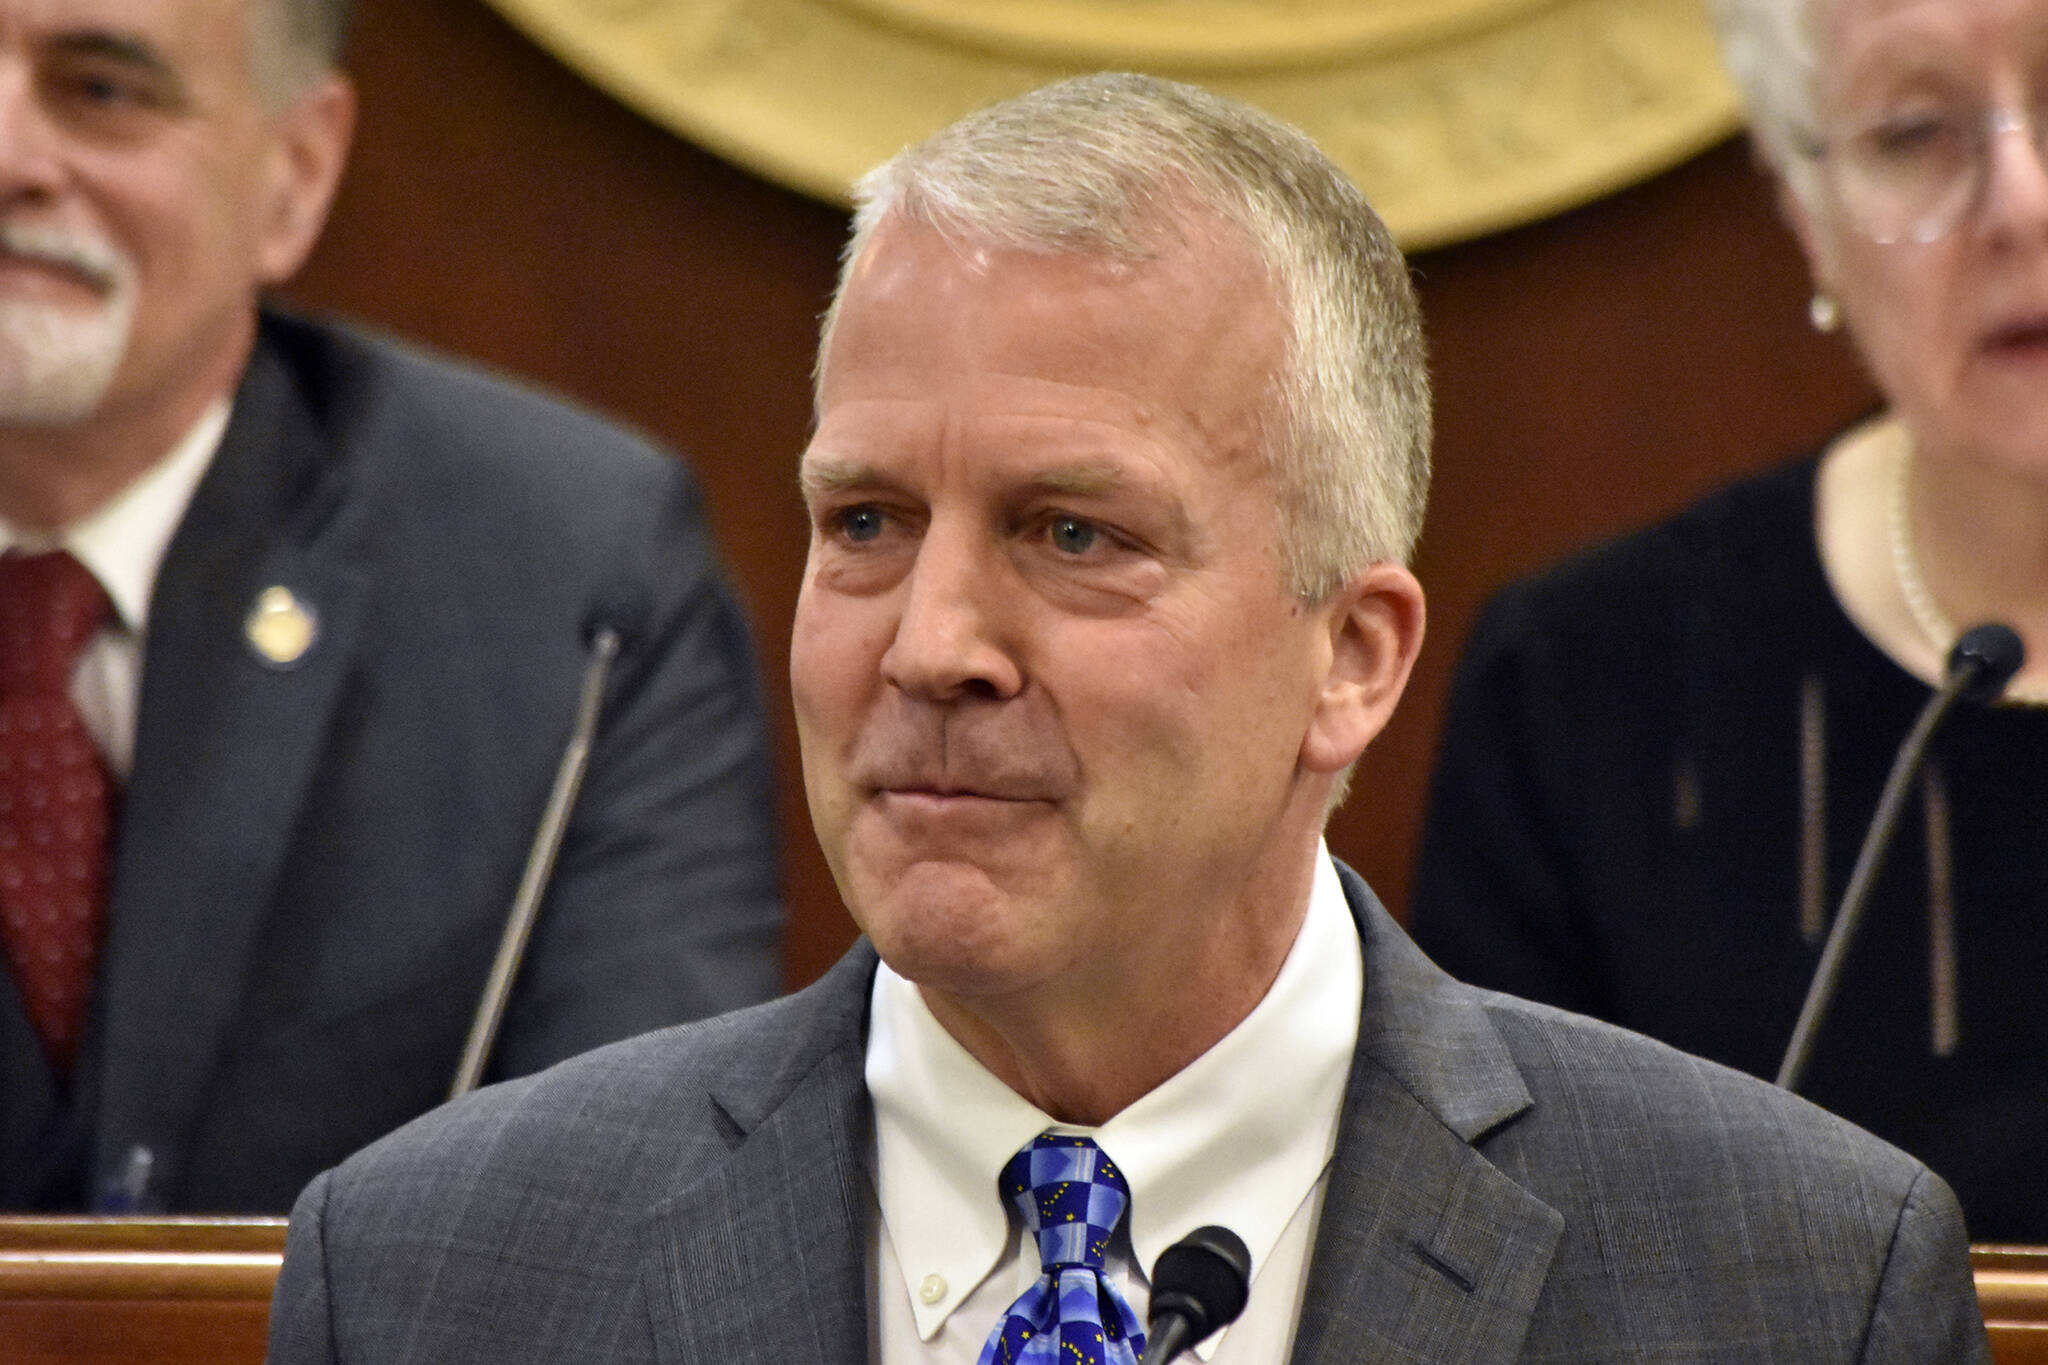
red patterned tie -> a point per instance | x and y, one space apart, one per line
54 795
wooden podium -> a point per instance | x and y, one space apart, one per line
136 1291
2012 1289
196 1291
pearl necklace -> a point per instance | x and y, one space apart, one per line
1927 613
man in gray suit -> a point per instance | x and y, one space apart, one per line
1121 448
293 623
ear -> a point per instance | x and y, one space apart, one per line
1816 243
309 145
1375 621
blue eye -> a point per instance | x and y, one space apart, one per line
860 523
1072 535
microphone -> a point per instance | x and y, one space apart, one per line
1980 664
1199 1284
621 610
614 621
1989 654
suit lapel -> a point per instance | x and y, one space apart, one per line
226 745
1425 1250
766 1256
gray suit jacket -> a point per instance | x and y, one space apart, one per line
313 861
1511 1183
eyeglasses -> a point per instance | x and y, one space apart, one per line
1912 176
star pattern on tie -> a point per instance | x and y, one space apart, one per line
1071 1197
55 796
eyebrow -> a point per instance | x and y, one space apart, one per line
825 475
1082 481
125 49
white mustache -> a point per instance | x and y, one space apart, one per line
87 253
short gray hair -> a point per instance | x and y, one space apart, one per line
1772 51
1103 164
297 41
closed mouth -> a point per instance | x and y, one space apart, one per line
939 792
58 272
2022 335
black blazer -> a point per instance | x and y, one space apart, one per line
313 860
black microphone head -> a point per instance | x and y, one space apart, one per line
1989 654
620 607
1205 1277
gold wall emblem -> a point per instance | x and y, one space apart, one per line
1457 117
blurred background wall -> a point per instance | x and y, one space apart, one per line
1593 371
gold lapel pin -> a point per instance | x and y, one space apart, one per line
280 627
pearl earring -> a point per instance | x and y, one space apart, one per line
1824 312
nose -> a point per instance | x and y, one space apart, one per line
953 638
2015 206
28 161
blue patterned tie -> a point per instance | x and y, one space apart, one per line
1071 1197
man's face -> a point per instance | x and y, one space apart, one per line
146 191
1051 690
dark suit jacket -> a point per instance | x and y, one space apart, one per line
1659 758
313 861
1511 1183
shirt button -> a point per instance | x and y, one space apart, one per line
932 1288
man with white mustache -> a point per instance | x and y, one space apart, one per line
56 361
1121 448
293 622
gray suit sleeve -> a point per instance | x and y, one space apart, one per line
1926 1308
664 904
301 1323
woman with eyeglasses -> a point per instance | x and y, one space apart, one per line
1660 757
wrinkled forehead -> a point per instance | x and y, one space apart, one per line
1855 36
1195 323
147 16
181 35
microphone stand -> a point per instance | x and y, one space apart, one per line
1979 666
605 643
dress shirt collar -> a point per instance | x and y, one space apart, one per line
123 542
1239 1137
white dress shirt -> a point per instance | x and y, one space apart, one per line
123 544
1241 1137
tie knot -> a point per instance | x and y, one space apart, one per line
50 605
1071 1196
